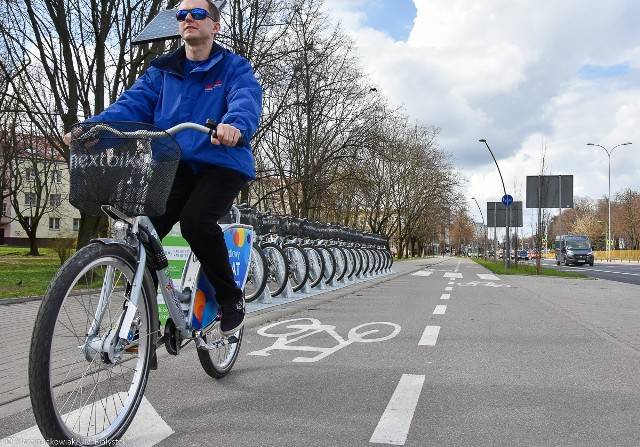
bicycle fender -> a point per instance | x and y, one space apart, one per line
111 241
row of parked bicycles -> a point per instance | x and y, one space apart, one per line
291 254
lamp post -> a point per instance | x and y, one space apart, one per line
485 228
609 152
507 245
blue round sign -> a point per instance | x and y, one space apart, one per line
507 199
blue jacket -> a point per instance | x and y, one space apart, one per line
223 88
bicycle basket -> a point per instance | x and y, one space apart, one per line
130 166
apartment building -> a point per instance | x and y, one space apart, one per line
35 184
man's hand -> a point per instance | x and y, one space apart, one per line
226 134
75 133
90 137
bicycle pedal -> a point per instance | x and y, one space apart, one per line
201 344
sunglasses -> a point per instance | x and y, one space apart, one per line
196 13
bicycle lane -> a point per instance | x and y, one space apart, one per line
15 413
326 383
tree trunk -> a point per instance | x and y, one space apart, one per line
33 244
90 227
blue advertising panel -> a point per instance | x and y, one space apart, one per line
238 239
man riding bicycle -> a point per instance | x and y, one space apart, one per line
201 80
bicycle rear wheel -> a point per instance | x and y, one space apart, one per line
217 362
87 389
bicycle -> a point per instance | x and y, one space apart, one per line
277 266
97 330
315 242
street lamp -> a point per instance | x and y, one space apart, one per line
609 152
485 228
507 245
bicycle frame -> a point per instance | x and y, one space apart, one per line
182 308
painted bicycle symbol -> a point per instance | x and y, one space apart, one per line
300 328
483 283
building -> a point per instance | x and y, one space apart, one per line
35 185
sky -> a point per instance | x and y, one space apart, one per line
526 76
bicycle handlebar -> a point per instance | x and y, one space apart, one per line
209 129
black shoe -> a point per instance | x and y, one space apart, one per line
232 319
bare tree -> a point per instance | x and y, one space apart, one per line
35 181
81 51
319 130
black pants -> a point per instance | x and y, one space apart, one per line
198 201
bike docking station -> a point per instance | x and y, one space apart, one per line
364 262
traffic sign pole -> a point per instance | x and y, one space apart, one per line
507 200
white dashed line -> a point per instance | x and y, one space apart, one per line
452 275
395 422
440 309
448 289
429 336
445 296
422 273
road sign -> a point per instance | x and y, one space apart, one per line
496 214
507 199
543 191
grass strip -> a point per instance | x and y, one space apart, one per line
525 269
22 275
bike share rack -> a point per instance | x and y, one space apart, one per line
270 228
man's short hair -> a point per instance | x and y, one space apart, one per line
213 10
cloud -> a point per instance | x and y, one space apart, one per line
522 75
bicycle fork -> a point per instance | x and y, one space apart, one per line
111 344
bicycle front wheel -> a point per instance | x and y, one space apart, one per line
85 382
298 265
257 277
277 268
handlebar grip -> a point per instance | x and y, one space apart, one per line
211 124
241 142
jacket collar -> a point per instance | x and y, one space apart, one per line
174 60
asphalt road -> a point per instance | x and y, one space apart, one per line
627 272
440 353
